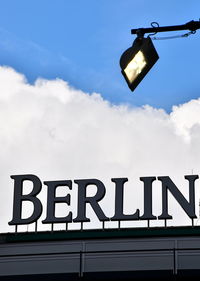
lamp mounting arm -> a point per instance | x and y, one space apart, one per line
191 25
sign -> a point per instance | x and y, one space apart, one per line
82 199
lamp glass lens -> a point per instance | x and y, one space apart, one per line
135 66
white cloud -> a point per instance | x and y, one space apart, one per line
57 132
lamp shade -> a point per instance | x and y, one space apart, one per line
136 61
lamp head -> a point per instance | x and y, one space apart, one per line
136 61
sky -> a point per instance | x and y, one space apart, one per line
67 113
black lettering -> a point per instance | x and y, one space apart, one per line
52 200
93 201
19 198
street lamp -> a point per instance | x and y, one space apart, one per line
136 61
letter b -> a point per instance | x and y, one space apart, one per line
31 197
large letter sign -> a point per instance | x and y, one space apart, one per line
188 207
93 201
119 196
52 200
167 185
19 198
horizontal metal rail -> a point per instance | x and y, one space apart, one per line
192 26
102 252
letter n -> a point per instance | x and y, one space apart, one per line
187 206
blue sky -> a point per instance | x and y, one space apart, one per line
81 42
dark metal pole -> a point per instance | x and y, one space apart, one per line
192 26
81 264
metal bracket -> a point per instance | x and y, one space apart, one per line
191 25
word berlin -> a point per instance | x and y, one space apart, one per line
82 199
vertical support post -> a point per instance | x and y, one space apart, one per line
81 264
175 259
119 225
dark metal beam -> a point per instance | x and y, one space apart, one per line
192 26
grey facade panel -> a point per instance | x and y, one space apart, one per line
108 255
127 262
189 260
39 265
